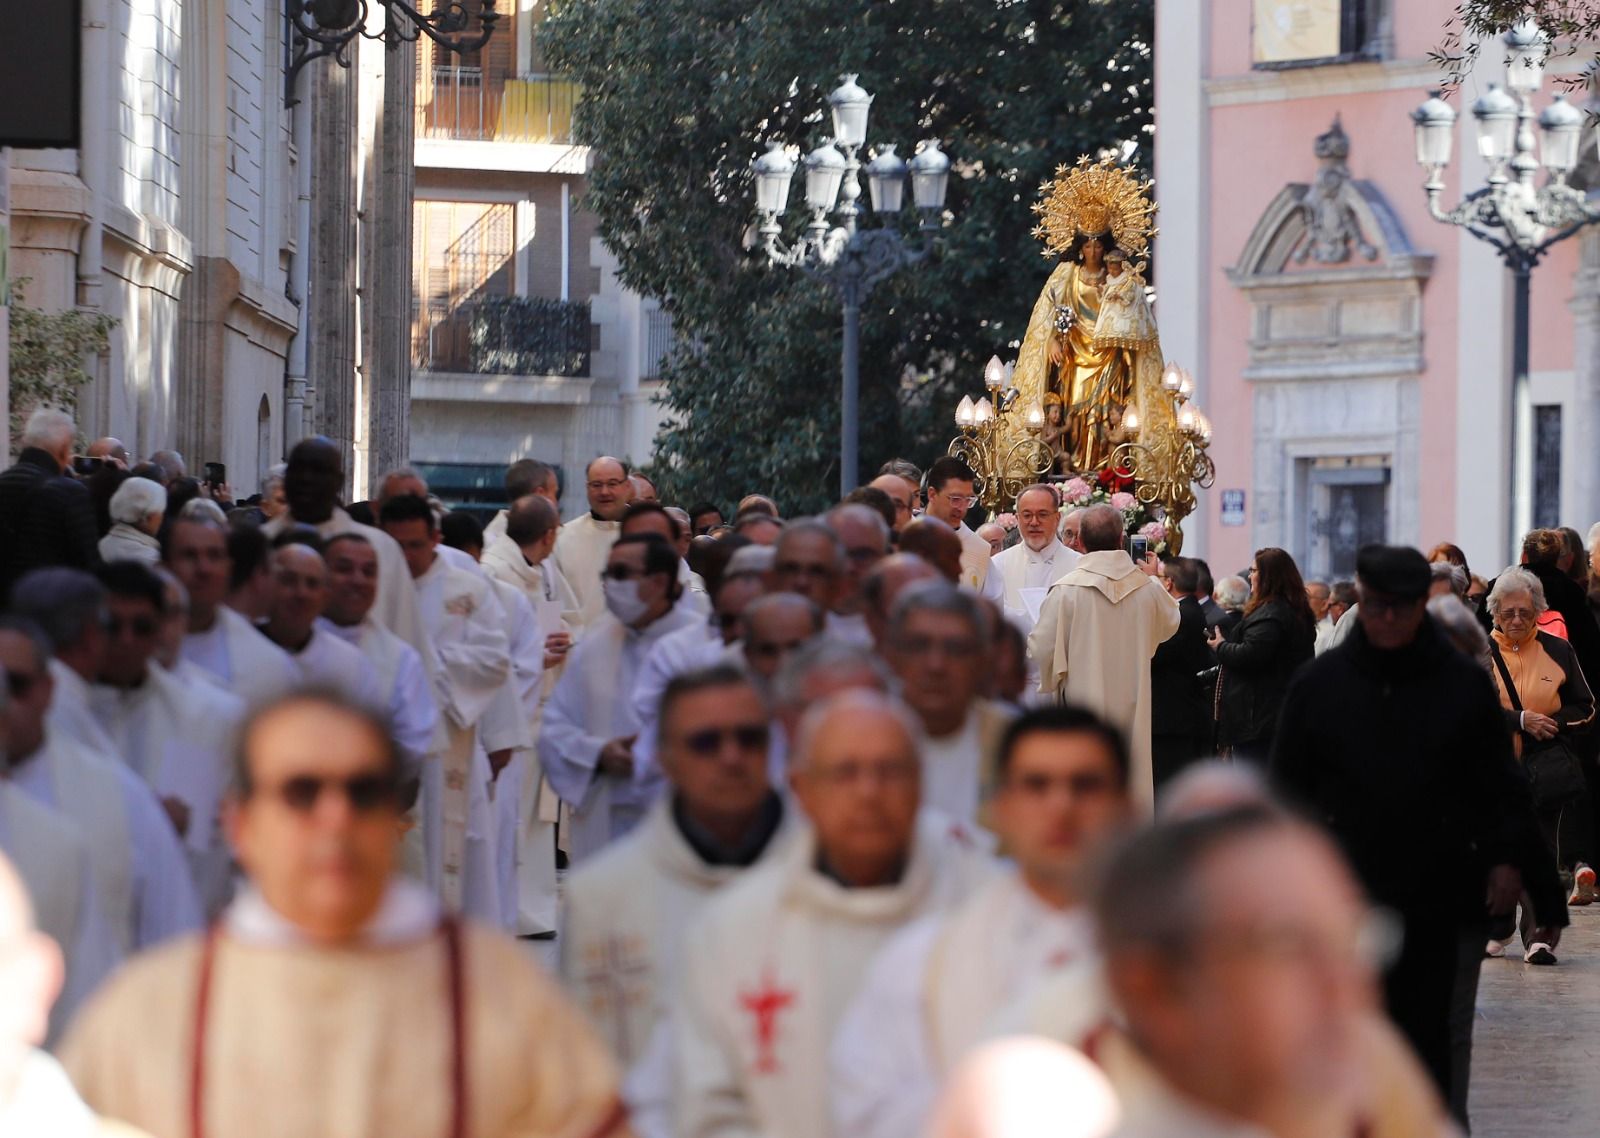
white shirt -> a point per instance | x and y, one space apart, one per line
70 714
327 661
1023 568
403 683
244 661
952 770
140 872
581 552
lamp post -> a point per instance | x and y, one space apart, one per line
850 260
1521 221
1006 460
1167 465
319 28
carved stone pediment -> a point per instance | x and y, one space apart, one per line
1335 282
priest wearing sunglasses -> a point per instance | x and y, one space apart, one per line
332 981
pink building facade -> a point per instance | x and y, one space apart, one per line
1352 352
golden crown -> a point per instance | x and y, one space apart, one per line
1095 198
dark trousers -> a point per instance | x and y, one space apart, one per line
1170 754
1420 991
1463 1010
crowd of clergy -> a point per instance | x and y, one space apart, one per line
689 823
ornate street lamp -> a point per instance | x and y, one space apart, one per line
319 28
1005 459
1168 466
1521 221
850 260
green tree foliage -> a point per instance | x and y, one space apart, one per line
48 351
1569 23
676 95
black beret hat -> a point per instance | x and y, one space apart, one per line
1395 570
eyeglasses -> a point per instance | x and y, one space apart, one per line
1516 614
139 626
21 683
953 646
613 484
748 737
961 499
621 573
366 793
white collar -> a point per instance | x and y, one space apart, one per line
1045 556
407 914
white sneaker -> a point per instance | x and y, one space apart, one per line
1539 953
1495 949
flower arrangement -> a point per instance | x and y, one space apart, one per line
1115 488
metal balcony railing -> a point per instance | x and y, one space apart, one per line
503 335
468 104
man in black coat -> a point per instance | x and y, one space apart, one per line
1180 706
46 516
1396 742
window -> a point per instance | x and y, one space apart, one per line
1309 33
458 95
1547 466
462 253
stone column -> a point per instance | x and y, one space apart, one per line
1581 501
390 174
330 396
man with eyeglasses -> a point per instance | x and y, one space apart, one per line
1397 742
775 627
585 540
626 910
140 873
176 735
771 963
938 647
951 495
334 994
1039 560
937 988
591 722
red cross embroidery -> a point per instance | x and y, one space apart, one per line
765 1005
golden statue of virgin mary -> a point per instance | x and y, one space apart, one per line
1092 341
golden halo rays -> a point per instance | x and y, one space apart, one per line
1096 197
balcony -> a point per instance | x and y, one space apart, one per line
468 104
503 335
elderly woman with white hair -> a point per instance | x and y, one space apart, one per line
1546 701
137 509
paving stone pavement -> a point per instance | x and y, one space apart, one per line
1536 1042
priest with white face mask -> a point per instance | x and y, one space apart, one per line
140 872
464 623
178 736
774 961
939 986
585 540
590 723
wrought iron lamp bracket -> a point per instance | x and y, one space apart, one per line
310 39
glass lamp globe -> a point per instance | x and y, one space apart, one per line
1560 135
886 181
850 105
1435 128
825 168
1496 115
930 176
774 173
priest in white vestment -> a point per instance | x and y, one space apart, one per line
1039 560
590 724
321 659
140 873
585 540
334 997
520 556
312 483
1098 628
220 640
69 605
939 647
52 857
177 736
864 533
626 910
938 987
464 624
951 495
773 961
527 477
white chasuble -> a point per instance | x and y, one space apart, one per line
625 914
975 558
353 1041
71 715
241 658
54 861
1097 630
328 663
581 552
592 705
934 993
768 971
179 737
463 621
140 872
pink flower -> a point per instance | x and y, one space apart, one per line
1154 531
1122 500
1006 521
1076 492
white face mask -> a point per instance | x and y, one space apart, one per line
622 598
